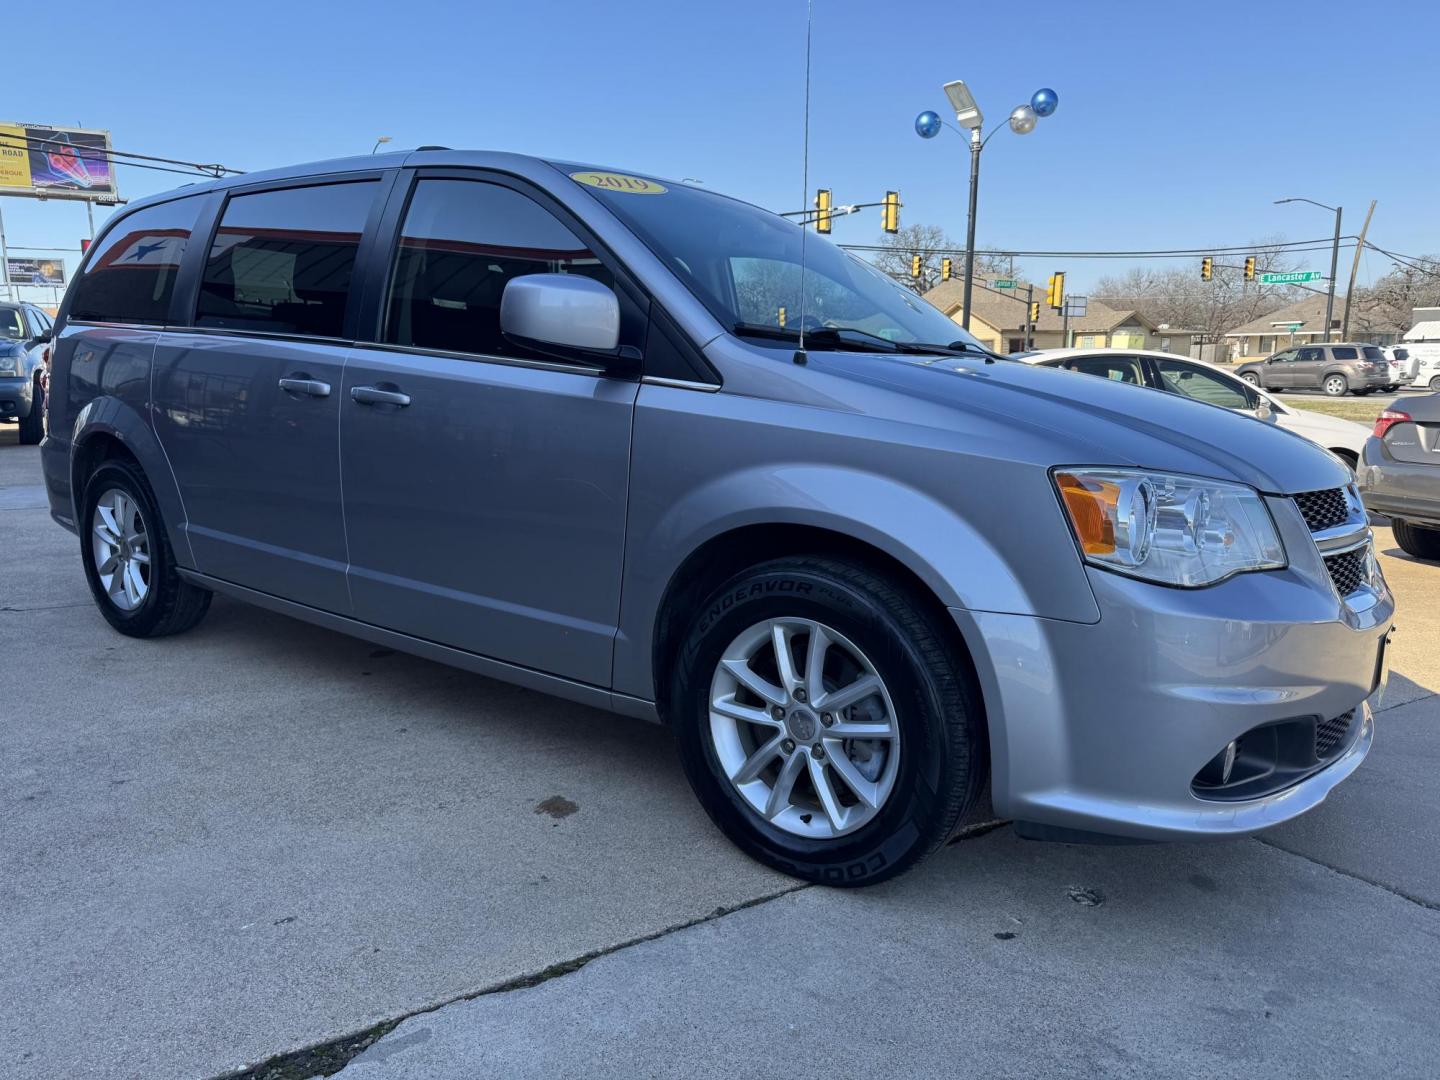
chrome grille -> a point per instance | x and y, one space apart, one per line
1330 733
1347 570
1323 509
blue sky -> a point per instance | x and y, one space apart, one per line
1178 123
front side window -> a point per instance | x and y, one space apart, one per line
1284 357
282 261
461 243
130 277
1194 382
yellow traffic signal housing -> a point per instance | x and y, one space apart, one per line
944 269
890 212
914 265
824 202
1250 268
1035 311
1055 290
780 317
1207 268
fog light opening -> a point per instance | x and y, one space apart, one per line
1217 770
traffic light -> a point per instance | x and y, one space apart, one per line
1055 290
944 269
780 317
915 266
1207 268
823 203
1250 268
1035 311
84 244
890 212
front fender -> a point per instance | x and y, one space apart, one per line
109 417
944 550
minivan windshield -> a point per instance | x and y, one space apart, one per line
743 263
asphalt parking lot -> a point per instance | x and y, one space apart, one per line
264 848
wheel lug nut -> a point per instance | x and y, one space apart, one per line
788 746
799 695
817 751
778 713
827 719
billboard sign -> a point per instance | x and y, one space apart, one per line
35 271
56 163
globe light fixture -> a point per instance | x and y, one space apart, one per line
1044 101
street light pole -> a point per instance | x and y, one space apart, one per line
975 147
1334 258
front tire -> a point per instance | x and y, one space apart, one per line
1336 386
1252 379
851 794
129 563
1417 540
32 428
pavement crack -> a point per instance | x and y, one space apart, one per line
1419 901
44 607
329 1057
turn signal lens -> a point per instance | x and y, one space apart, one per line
1113 517
1388 419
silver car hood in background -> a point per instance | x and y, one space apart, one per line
1079 419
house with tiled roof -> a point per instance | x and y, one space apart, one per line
998 320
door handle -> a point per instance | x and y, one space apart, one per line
313 387
373 395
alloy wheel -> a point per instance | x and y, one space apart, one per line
804 728
120 545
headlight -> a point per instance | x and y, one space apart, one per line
1176 530
11 365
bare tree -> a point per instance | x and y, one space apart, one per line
1386 306
932 244
1211 308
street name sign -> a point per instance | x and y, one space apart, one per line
1290 279
1003 283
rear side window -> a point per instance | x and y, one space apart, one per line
461 242
282 261
1344 353
130 277
1118 368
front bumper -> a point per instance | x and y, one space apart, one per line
16 396
1103 728
1409 490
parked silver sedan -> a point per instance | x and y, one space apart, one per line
1400 474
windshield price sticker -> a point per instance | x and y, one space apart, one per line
619 182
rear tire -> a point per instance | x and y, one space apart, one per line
924 696
32 428
1335 386
138 598
1417 540
1435 382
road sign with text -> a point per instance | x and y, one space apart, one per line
1002 283
1290 279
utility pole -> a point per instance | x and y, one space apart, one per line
1029 307
1334 263
1354 270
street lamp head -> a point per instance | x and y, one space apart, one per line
928 124
967 113
1044 101
1022 120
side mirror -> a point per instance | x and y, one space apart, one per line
1263 410
561 311
46 336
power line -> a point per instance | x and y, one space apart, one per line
86 153
1288 247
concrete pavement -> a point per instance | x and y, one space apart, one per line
263 839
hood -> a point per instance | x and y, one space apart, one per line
1076 419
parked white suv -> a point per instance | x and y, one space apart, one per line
1206 382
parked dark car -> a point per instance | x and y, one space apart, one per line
24 349
1400 474
1337 368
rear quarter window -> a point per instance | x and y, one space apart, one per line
1345 354
130 278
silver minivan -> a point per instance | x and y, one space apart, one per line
646 447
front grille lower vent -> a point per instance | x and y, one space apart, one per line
1347 570
1323 509
1330 733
